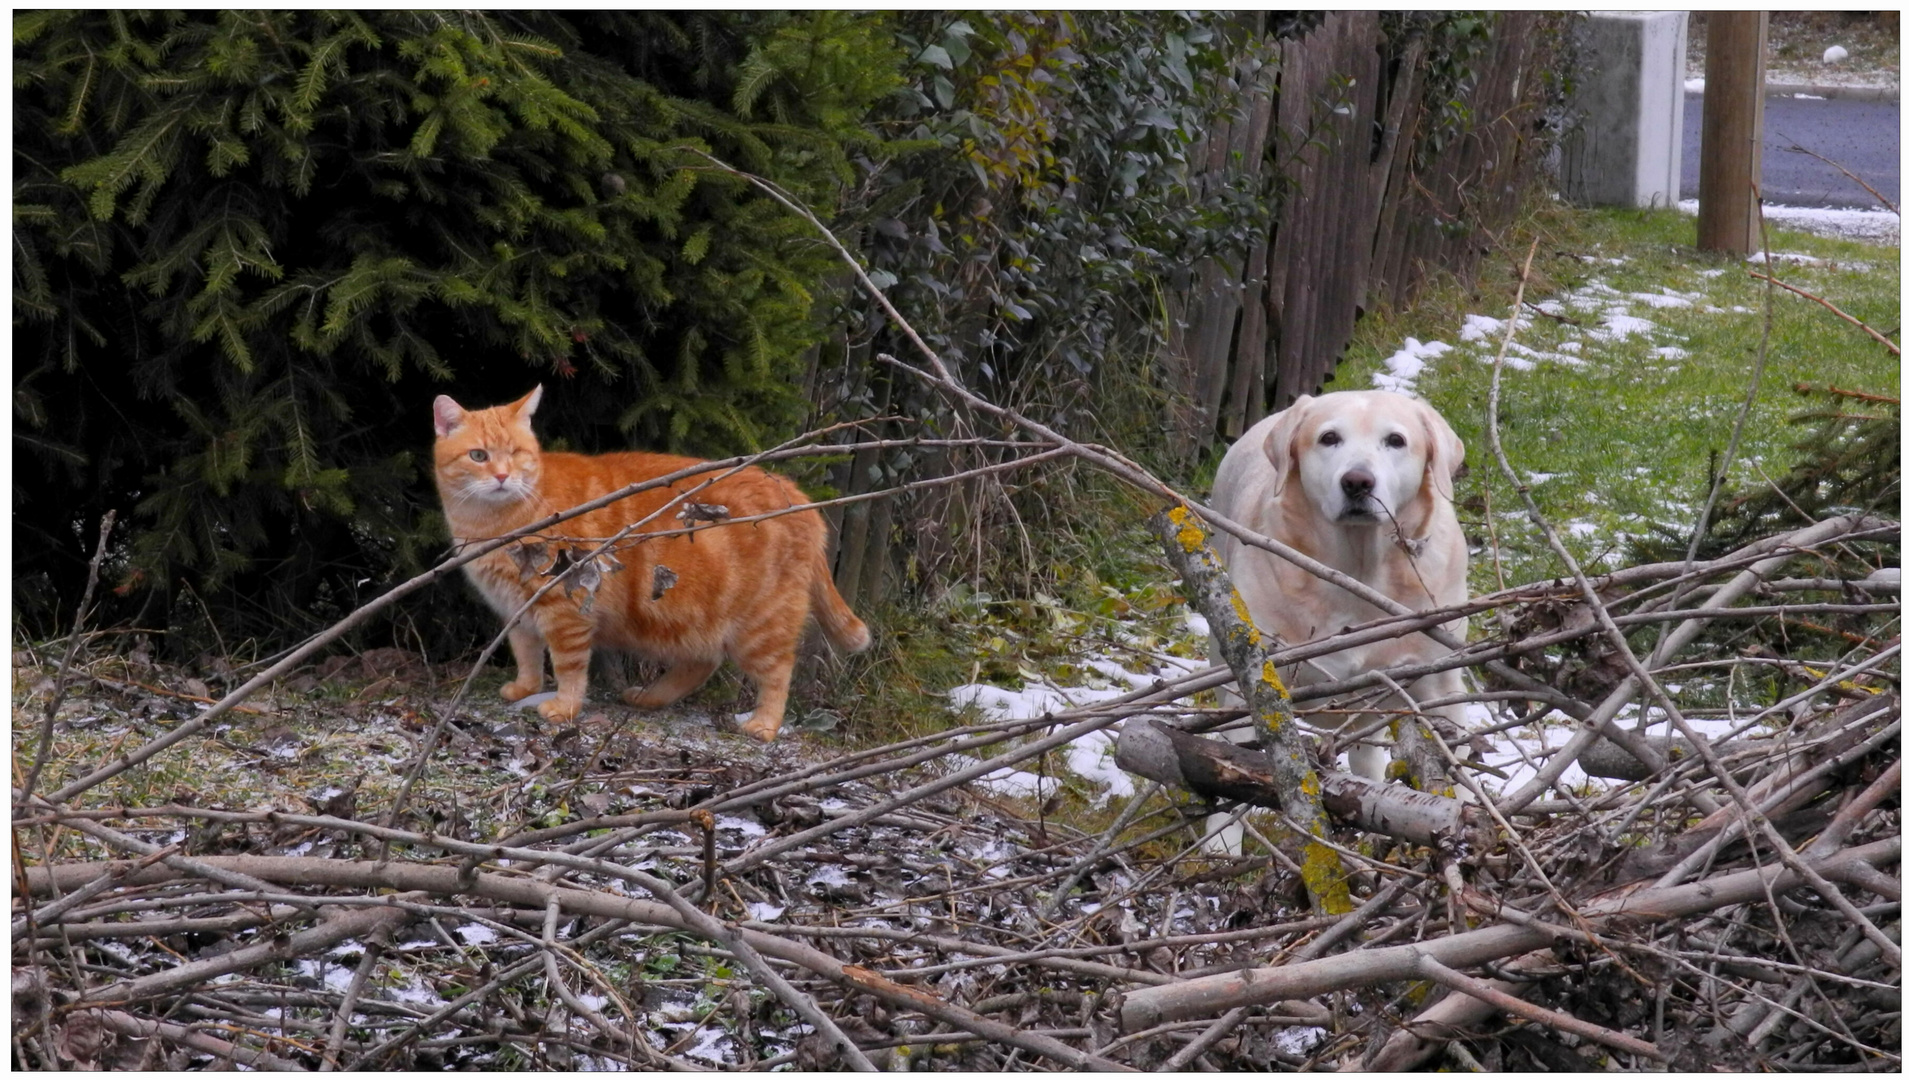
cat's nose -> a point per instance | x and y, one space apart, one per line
501 476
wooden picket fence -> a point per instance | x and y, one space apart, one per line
1339 126
1363 222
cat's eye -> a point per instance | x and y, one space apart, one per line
480 454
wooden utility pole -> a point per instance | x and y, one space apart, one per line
1732 168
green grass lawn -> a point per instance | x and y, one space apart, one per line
1615 433
1616 423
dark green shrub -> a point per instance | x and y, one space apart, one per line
249 248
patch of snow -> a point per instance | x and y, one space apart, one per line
414 992
1797 257
709 1046
1669 352
1669 298
1871 226
1557 358
762 912
1029 703
475 934
1118 673
1522 752
1197 623
1403 368
1298 1041
1091 757
1570 346
1809 97
1618 326
999 858
1480 328
1009 781
1693 86
337 976
828 874
745 826
1515 363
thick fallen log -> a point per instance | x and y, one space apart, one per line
1451 1017
1223 770
1153 1006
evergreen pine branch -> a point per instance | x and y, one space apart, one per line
148 153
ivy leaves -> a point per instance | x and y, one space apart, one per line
1035 239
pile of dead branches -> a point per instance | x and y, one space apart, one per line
1726 895
1733 904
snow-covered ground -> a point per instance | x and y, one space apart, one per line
1608 315
1871 226
1090 757
1518 753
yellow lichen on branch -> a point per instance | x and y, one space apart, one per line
1248 652
1325 880
1270 676
1192 538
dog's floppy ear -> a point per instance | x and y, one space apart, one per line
1279 445
1444 452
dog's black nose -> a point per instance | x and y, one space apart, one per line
1357 484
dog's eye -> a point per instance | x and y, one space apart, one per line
1328 438
480 455
1395 440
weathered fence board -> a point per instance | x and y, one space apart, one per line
1338 122
1366 212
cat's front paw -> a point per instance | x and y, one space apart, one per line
640 697
559 711
759 727
518 691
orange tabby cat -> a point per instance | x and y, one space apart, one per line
738 591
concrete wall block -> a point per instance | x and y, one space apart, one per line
1627 149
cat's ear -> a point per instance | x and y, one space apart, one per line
527 404
446 415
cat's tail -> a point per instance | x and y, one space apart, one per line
839 624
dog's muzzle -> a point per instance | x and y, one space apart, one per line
1356 484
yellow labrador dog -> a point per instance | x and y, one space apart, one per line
1360 480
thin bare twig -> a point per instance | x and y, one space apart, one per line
62 679
1879 196
1894 349
1478 988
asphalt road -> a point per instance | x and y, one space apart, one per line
1865 136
